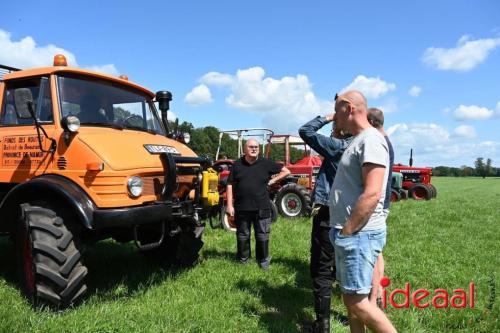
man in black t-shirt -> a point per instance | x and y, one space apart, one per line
247 185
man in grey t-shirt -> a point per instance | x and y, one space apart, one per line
357 212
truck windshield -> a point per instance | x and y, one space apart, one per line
106 104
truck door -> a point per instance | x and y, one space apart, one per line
20 153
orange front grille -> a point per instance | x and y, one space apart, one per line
152 185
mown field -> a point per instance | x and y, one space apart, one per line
444 243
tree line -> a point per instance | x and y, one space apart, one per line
204 142
480 169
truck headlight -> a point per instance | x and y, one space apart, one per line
71 123
134 185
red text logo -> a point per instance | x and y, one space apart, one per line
423 298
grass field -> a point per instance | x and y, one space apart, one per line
444 243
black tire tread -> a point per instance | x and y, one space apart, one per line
49 251
420 185
60 274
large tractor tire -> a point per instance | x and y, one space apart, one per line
420 192
395 195
293 200
230 225
434 195
49 263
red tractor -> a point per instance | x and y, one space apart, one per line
293 194
416 180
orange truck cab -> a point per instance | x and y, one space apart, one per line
86 156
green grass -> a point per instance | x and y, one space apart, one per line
444 243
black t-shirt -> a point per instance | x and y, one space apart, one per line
250 183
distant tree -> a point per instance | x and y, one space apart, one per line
466 171
441 171
487 168
480 167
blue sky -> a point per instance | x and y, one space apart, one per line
433 67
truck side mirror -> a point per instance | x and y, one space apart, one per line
24 103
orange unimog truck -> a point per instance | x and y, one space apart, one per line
85 156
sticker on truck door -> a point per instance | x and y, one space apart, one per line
22 150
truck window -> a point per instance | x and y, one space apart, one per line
42 106
106 104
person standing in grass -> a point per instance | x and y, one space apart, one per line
357 214
247 185
322 265
376 119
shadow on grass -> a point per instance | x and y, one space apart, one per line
286 304
115 270
120 270
7 260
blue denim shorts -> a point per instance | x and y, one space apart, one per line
355 257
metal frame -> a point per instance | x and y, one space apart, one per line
266 133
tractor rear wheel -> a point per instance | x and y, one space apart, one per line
420 192
293 200
434 190
395 196
49 262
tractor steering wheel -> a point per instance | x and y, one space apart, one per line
126 120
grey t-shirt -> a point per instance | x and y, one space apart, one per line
368 146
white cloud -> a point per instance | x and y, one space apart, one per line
217 79
371 87
389 106
25 53
433 145
415 91
465 56
108 69
472 112
465 131
199 95
284 103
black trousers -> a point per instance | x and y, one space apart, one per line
322 266
261 222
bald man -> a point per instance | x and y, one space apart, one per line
356 212
247 185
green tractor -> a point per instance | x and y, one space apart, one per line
397 190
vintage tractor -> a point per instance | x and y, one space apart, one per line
293 194
416 180
223 165
86 157
397 191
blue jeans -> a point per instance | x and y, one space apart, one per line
355 258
